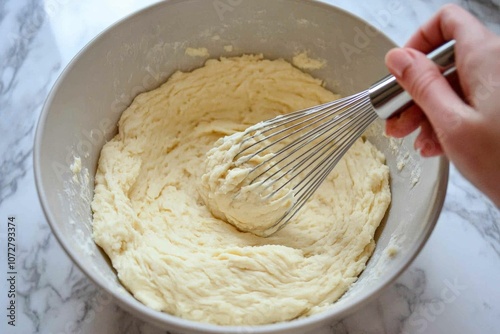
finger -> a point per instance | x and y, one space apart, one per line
455 84
473 41
421 78
450 22
427 142
404 123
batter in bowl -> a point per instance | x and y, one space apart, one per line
227 190
169 250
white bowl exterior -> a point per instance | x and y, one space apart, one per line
142 51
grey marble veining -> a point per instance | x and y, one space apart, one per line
21 57
472 207
452 286
486 9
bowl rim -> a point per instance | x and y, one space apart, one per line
167 320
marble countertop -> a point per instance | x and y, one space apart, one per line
38 38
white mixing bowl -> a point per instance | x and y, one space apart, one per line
143 50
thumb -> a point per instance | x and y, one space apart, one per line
421 78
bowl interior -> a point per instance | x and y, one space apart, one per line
142 51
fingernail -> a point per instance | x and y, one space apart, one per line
426 148
417 145
398 60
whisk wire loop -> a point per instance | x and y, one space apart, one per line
301 149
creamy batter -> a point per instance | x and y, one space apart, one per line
228 192
169 250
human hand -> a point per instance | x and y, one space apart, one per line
459 119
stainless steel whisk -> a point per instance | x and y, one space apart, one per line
306 145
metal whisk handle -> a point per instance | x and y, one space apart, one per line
389 98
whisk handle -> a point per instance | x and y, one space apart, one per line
389 98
